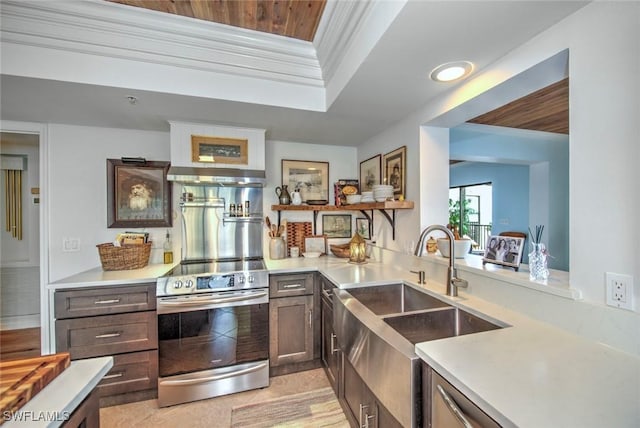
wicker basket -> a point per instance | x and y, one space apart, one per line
124 258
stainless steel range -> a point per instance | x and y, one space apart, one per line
213 309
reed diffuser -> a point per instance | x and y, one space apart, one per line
538 270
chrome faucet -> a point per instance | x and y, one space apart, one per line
453 282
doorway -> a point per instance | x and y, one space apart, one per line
470 211
20 283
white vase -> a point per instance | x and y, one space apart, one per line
296 199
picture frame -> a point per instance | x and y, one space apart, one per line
370 173
363 227
219 150
336 225
395 171
504 250
311 178
315 243
138 193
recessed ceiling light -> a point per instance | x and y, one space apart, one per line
451 71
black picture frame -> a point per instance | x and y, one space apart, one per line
336 225
138 194
510 256
395 171
370 173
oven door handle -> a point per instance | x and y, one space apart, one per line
198 302
186 382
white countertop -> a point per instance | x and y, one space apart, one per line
98 277
63 395
530 374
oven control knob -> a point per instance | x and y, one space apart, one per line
177 284
241 279
250 279
188 283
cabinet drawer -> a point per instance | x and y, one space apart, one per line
104 301
290 285
136 371
107 334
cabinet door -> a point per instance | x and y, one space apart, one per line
291 330
330 351
449 407
353 393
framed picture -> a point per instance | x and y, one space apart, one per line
315 243
309 177
219 150
363 227
138 194
504 250
395 172
370 173
336 225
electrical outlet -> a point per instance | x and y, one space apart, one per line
70 245
619 290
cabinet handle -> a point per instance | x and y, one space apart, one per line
453 407
113 376
363 407
332 346
366 419
310 317
292 286
106 302
108 335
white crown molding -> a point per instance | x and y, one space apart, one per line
113 30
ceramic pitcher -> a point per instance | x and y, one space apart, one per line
283 195
296 199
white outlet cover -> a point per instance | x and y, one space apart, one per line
616 284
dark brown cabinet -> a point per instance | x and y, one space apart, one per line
118 321
360 405
293 322
445 406
330 352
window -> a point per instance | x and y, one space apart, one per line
473 217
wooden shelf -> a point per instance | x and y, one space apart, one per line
367 209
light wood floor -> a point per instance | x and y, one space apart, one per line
212 413
22 343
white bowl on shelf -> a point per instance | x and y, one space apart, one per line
461 247
354 199
312 254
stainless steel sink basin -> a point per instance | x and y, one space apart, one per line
438 324
394 299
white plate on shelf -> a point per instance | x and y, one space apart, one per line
312 254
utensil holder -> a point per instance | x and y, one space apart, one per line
277 248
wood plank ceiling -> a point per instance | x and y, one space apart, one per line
544 110
291 18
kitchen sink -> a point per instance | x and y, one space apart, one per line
394 299
438 324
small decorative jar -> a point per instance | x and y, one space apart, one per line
432 245
277 248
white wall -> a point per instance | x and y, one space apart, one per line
342 164
603 136
78 186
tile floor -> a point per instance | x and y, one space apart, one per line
212 413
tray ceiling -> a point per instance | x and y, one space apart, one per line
291 18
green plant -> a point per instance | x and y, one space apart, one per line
462 224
